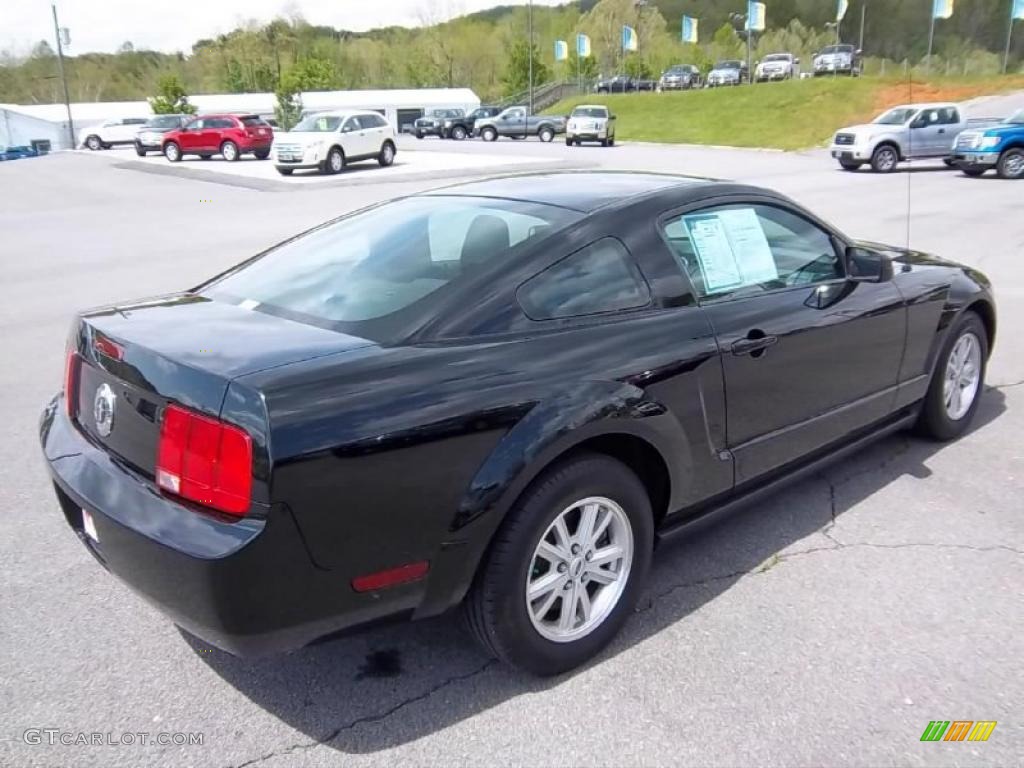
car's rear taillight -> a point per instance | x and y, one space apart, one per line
205 460
72 364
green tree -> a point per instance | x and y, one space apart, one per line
517 72
171 98
636 66
288 109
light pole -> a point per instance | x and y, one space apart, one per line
863 13
63 78
529 16
743 19
836 25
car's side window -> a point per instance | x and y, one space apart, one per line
749 249
602 277
350 125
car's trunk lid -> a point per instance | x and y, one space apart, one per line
184 348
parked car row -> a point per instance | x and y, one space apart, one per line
830 60
923 131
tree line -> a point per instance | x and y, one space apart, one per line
488 52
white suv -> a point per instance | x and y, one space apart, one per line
328 141
120 130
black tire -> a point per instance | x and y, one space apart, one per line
546 134
611 142
973 170
934 421
262 154
568 142
285 171
93 142
949 162
489 134
885 158
140 151
1011 164
387 154
172 151
604 142
334 162
459 133
849 165
230 152
496 607
419 135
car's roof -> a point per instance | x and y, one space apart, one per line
591 106
927 105
583 191
343 112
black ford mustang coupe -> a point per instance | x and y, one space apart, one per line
498 394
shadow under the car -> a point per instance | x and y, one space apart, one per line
397 683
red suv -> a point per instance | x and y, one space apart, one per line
227 135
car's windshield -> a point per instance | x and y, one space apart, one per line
728 65
777 57
837 49
318 124
375 263
482 112
897 116
164 122
590 112
1016 119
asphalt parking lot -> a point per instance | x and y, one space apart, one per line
826 626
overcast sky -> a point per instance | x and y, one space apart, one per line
172 25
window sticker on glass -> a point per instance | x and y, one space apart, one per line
731 248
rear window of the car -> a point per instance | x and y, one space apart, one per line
590 112
366 267
253 121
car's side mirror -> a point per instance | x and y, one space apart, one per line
864 266
796 61
858 52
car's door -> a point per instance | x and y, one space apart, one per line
373 130
513 123
925 133
808 354
353 140
191 135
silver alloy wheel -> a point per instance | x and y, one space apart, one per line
579 569
171 152
229 150
337 161
458 133
389 154
963 376
93 142
1013 166
887 159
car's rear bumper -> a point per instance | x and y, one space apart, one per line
246 586
974 157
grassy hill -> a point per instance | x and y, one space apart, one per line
790 115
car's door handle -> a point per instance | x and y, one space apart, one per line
753 345
942 130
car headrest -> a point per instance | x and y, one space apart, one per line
487 236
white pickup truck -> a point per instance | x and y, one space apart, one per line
908 132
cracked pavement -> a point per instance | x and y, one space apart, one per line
825 626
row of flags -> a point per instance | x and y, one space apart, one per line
756 22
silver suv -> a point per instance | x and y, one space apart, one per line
590 122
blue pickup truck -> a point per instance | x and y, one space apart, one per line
999 146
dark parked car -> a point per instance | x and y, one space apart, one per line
459 128
498 394
432 123
625 84
230 136
679 77
150 137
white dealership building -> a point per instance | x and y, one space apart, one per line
22 124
